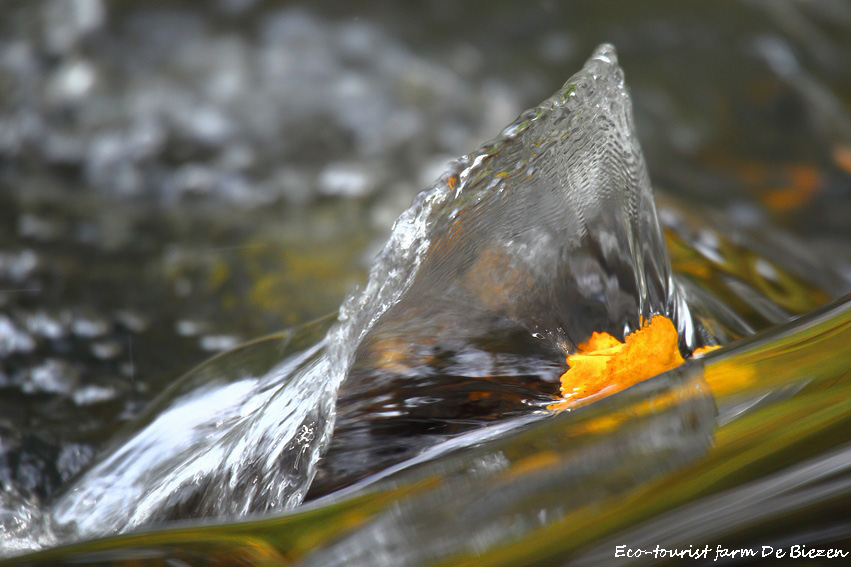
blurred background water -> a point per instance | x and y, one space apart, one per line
176 177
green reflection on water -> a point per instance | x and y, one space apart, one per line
802 366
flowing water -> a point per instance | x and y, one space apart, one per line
413 429
542 236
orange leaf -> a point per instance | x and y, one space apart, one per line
698 352
603 365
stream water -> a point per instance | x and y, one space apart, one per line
411 428
544 235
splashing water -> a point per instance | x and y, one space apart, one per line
551 227
549 231
526 246
225 444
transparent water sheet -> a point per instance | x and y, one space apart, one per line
551 229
